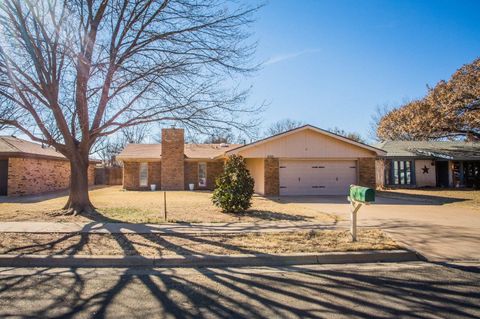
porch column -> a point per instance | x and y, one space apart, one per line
272 176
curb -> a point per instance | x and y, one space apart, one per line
208 260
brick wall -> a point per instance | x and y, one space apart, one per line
272 177
214 169
191 174
155 174
131 175
173 159
28 176
366 172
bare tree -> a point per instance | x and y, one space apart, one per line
351 135
375 119
75 71
220 136
109 147
283 126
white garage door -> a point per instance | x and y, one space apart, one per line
316 177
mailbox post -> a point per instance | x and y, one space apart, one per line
358 196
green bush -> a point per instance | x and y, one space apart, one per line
234 187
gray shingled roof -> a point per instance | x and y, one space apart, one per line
14 146
452 150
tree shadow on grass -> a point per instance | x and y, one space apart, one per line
37 198
271 215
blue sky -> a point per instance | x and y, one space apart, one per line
331 63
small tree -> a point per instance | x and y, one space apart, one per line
234 188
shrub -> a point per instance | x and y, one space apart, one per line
234 187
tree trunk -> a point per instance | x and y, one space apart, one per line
79 200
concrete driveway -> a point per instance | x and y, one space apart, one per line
438 232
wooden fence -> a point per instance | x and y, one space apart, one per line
108 175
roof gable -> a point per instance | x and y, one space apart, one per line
307 141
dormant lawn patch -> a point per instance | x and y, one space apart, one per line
224 244
117 205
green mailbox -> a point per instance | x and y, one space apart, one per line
362 194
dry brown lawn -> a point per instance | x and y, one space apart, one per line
218 244
452 197
117 205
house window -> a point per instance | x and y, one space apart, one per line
402 172
202 174
143 174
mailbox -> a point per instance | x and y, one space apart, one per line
362 194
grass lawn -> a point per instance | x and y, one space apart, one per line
117 205
221 244
453 197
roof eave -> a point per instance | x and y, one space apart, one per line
378 151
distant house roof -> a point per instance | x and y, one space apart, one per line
192 151
11 146
451 150
14 146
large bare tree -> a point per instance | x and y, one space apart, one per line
75 71
449 110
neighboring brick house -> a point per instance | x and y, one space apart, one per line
28 168
304 161
410 164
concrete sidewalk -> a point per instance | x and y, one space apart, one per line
166 229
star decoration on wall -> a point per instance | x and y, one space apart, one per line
425 169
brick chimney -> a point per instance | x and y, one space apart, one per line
173 141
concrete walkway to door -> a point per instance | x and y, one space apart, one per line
438 232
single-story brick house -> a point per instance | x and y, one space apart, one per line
28 168
303 161
429 164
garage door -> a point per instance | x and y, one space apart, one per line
316 177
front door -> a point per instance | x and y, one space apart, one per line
3 177
441 168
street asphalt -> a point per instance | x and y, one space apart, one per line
388 290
